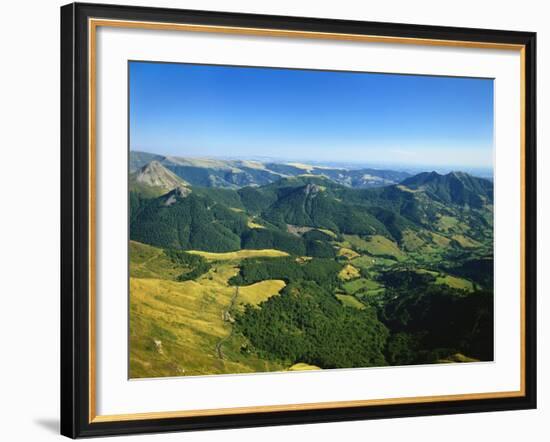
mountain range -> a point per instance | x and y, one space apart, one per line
233 174
171 212
241 266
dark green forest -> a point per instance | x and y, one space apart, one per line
415 322
306 323
393 275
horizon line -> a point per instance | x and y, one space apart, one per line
358 164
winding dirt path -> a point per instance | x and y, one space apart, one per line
225 313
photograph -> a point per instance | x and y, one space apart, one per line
286 219
295 217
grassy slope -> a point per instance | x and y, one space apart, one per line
411 241
457 357
352 287
254 225
375 245
446 223
239 254
455 282
347 253
350 301
380 245
151 262
349 272
176 327
452 281
302 366
465 241
256 293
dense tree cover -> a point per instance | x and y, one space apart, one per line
317 235
478 270
413 209
193 265
455 187
389 210
257 200
273 239
392 221
392 198
302 201
136 202
321 271
227 197
319 249
193 222
306 323
425 322
315 206
430 322
406 279
405 349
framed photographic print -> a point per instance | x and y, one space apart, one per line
274 220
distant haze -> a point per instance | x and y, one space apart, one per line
404 122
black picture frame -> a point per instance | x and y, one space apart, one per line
75 220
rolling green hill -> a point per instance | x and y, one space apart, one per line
182 220
278 215
455 187
305 270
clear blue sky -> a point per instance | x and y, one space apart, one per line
224 111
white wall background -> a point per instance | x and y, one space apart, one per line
29 221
